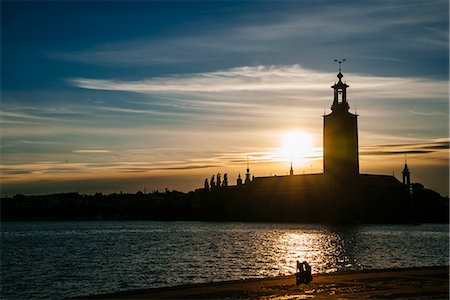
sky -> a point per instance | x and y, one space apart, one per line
114 96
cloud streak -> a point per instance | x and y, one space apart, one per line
91 151
283 79
258 78
407 148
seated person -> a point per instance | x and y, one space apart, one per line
303 274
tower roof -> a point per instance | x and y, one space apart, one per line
340 94
340 84
340 91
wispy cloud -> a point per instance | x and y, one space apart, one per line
235 79
282 79
38 142
20 115
91 151
407 148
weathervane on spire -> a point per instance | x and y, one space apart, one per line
339 62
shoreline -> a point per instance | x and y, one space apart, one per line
411 283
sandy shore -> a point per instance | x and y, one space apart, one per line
413 283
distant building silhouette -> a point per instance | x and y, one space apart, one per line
291 171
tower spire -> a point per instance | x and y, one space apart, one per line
247 175
406 175
340 91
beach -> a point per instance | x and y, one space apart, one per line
410 283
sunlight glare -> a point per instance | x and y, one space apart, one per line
296 145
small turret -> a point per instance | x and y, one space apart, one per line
247 175
406 175
239 180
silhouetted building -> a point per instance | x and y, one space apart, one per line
340 135
339 194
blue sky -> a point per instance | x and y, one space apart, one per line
110 96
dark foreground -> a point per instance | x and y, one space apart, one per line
412 283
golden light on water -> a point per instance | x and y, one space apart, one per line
323 249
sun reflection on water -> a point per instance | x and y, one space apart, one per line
324 250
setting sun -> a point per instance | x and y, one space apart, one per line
296 145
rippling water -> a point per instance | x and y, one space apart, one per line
53 260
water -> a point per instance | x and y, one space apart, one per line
54 260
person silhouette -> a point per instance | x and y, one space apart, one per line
299 273
308 275
303 273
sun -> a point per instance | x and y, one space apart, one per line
296 145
